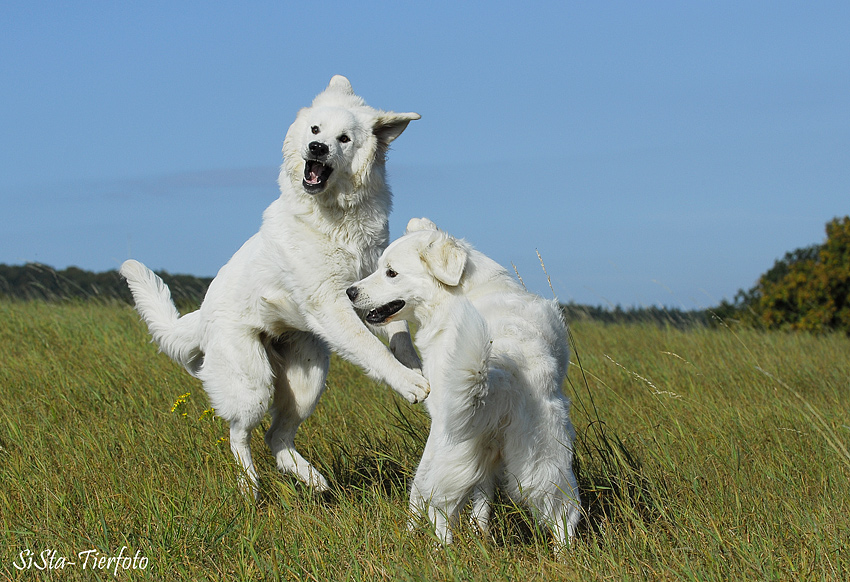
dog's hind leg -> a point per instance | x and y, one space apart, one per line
426 497
238 380
558 508
240 446
441 513
566 514
301 363
444 482
482 505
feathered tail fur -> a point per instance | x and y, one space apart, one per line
466 371
177 337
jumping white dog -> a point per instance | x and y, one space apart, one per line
262 335
496 357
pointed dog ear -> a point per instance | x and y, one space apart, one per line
417 224
389 125
340 84
445 259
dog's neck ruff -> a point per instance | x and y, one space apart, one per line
435 317
362 230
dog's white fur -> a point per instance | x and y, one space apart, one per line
496 357
262 335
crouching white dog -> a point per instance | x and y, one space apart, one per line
496 357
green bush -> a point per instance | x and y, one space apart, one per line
809 289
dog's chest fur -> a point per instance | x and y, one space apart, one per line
350 239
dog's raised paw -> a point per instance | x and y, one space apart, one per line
420 391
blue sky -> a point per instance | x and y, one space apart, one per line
660 153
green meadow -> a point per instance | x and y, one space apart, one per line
702 454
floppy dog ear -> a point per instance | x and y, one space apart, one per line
445 259
417 224
389 125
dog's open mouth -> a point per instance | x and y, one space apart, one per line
384 312
316 175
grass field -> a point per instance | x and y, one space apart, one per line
702 455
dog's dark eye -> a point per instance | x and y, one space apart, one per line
344 139
315 129
391 274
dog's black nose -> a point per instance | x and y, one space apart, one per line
318 148
352 292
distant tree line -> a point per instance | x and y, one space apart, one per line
37 281
663 316
41 282
808 290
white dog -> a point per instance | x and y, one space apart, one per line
262 335
496 357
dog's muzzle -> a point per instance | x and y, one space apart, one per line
384 312
316 172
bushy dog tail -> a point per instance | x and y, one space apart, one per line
468 364
177 337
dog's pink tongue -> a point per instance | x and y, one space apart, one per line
314 176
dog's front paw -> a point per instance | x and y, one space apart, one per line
416 389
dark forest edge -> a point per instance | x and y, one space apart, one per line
36 281
806 290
